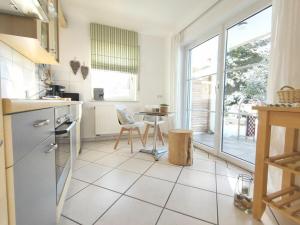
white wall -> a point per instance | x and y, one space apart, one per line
17 73
75 43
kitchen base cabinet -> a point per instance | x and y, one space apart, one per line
3 194
32 192
30 167
3 197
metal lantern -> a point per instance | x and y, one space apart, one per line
244 193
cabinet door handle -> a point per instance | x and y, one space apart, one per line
41 123
1 143
53 148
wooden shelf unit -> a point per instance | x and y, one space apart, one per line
287 200
289 162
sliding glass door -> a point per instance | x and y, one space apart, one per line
247 68
202 84
222 88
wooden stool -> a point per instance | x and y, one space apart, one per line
180 147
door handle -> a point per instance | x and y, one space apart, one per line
1 143
53 148
41 123
67 130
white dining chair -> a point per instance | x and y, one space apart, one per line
127 123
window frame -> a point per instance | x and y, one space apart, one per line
221 30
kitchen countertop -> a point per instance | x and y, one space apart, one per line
22 105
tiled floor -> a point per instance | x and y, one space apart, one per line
119 188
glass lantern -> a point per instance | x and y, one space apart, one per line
243 195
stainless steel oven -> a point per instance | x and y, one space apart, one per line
64 135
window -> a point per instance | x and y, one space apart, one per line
247 69
202 83
114 62
219 103
118 86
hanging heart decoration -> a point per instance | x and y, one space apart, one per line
75 65
84 71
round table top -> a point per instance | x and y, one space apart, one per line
154 113
180 131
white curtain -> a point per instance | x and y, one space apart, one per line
285 69
285 61
176 81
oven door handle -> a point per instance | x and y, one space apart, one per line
67 130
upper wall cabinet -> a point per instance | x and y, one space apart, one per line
54 31
33 38
28 36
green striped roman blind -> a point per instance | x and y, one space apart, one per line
114 49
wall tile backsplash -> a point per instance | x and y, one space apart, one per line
19 78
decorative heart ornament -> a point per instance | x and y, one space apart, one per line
84 71
75 65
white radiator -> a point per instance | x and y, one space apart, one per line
106 120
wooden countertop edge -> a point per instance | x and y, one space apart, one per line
277 109
11 106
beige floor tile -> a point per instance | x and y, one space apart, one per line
128 211
92 155
151 190
199 154
89 204
230 171
92 145
230 215
194 202
203 165
166 172
226 185
164 159
91 172
144 156
76 186
79 163
198 179
108 148
65 221
267 218
218 160
118 180
172 218
125 151
112 160
136 165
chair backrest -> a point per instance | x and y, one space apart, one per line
124 116
119 107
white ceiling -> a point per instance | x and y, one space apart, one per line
156 17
